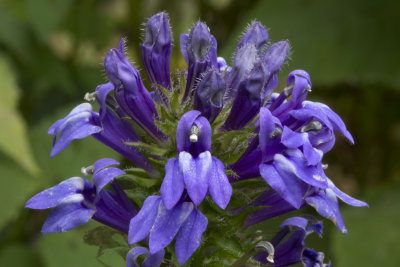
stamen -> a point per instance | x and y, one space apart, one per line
88 170
324 166
90 97
314 126
194 134
265 246
288 90
277 132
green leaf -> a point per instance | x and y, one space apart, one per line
106 238
13 138
143 182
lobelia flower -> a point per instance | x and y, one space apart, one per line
106 127
162 224
292 250
195 167
215 121
76 201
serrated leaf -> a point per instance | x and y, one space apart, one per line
13 137
103 237
140 181
149 148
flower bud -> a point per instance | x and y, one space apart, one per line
156 49
257 35
276 56
248 100
201 53
209 93
273 60
245 59
130 92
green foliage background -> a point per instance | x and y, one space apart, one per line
51 53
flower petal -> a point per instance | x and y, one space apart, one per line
152 260
172 185
344 197
77 125
102 163
312 175
284 182
51 197
167 225
141 224
195 174
218 184
293 139
65 217
102 91
312 155
103 177
133 254
183 130
189 236
326 204
296 221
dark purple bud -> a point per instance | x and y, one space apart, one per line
156 49
248 100
201 53
245 59
257 35
276 56
209 93
199 42
130 92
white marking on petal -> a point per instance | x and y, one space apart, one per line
75 198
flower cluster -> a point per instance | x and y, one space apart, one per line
201 141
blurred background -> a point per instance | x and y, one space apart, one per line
51 54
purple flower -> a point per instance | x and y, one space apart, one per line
228 118
107 127
76 201
156 49
289 244
77 124
162 225
195 168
